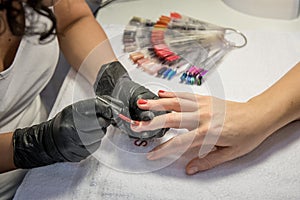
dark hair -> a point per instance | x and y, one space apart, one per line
23 18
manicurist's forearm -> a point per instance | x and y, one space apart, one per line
6 153
81 38
280 104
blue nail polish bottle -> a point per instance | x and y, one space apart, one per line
171 74
161 71
167 72
183 77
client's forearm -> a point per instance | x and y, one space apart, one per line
280 104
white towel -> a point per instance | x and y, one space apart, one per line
122 172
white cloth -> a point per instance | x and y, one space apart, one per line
269 172
20 103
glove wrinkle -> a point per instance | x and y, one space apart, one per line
108 76
28 152
71 136
113 80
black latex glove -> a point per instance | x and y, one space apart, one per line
72 135
113 80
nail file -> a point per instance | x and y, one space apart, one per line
127 119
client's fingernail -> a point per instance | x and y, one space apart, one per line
192 170
135 123
142 101
161 91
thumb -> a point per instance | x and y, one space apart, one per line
211 160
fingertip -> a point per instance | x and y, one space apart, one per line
194 166
192 170
142 101
142 104
162 93
140 126
153 154
135 128
150 156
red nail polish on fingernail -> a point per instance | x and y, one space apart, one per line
135 123
142 101
161 91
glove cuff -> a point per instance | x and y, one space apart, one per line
33 147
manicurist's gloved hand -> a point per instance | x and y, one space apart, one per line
113 80
72 135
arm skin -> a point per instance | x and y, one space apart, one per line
81 38
232 128
79 34
283 99
6 153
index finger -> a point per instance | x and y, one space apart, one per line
182 95
167 104
188 120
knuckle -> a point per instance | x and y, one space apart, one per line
205 164
176 141
171 118
201 131
206 115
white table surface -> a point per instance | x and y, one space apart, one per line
214 11
269 172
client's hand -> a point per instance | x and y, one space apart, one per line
227 129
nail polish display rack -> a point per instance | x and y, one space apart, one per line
178 46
